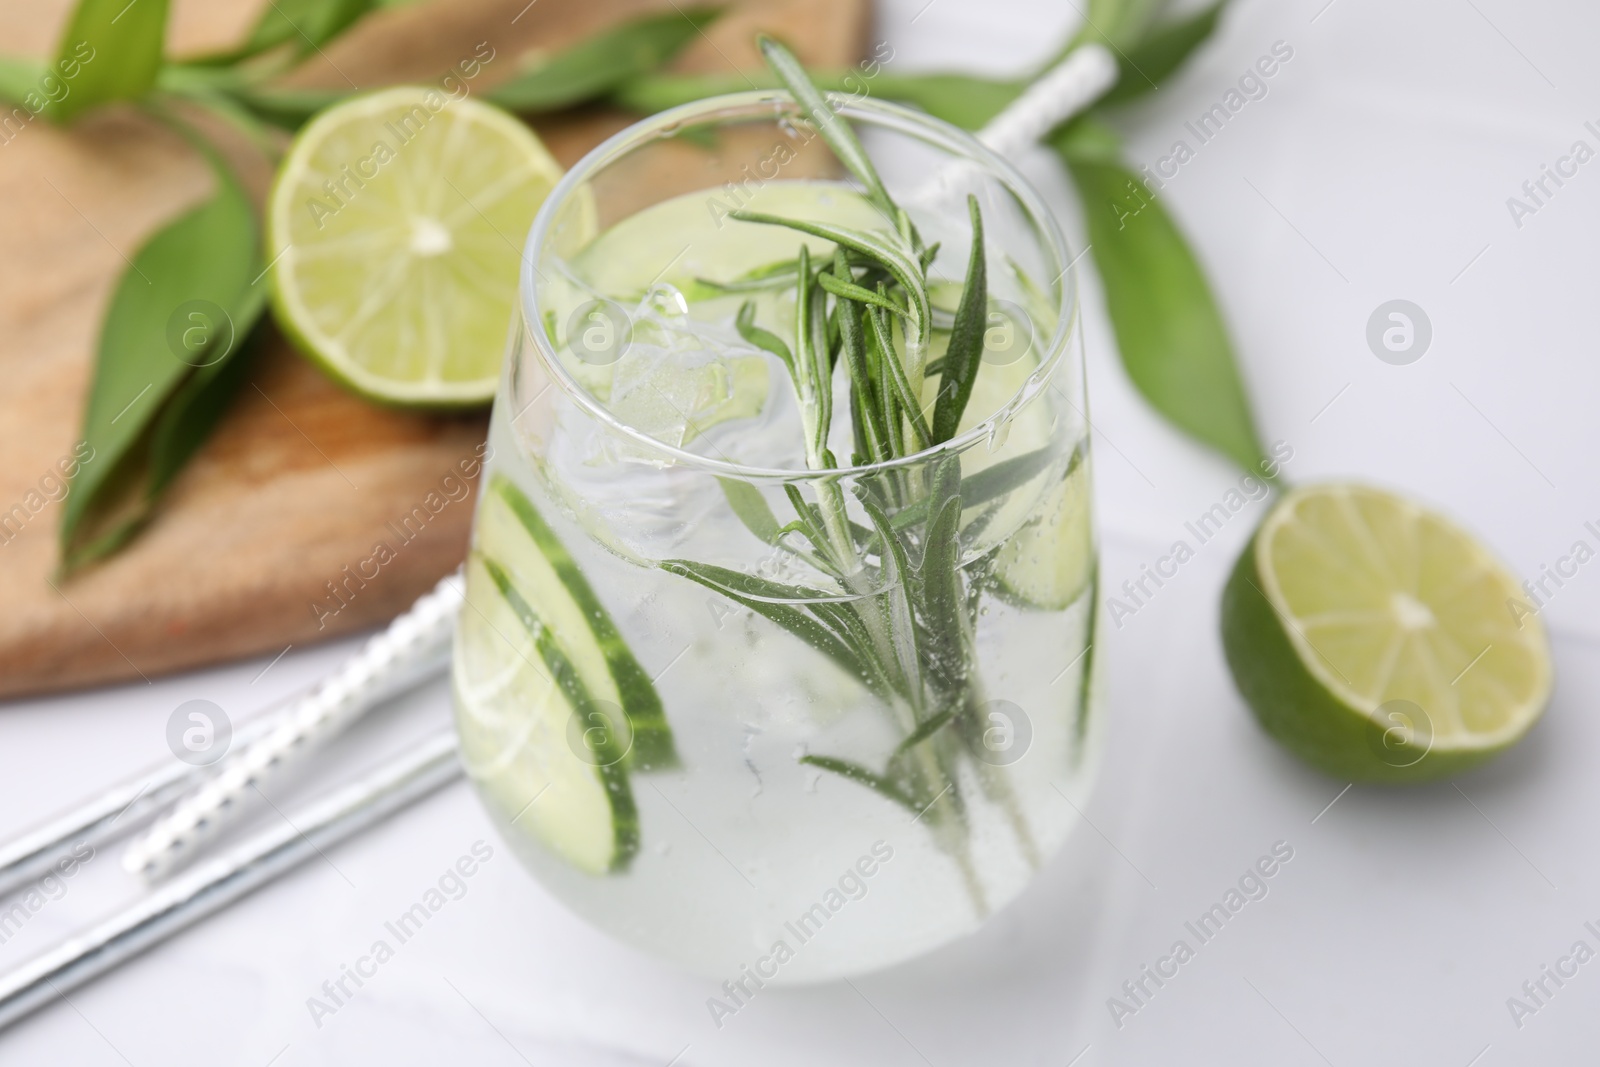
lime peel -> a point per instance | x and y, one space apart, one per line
395 224
1371 637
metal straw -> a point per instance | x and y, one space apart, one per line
219 882
122 809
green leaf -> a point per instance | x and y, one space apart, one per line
751 508
963 100
1161 52
20 78
964 358
148 409
1118 24
198 404
306 24
834 130
1169 330
116 46
649 93
287 108
594 67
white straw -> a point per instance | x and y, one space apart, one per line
1070 86
415 646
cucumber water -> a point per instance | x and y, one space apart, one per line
660 728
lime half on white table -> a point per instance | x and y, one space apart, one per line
1378 640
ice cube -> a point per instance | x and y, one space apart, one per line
679 376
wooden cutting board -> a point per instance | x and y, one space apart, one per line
301 480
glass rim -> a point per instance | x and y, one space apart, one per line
925 127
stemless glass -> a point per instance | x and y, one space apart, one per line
695 737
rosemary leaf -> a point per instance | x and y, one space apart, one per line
926 729
821 347
809 382
908 399
745 323
898 604
772 606
844 621
770 276
810 519
902 265
843 285
834 130
862 776
992 482
942 596
881 353
861 449
964 358
751 508
867 417
765 282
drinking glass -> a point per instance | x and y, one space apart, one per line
777 724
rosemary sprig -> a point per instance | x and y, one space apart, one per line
905 626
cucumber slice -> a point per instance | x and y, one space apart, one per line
518 696
1048 563
513 533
